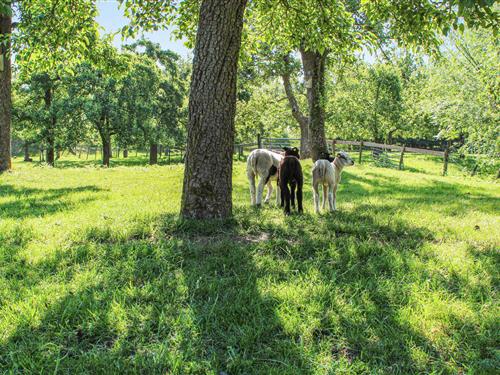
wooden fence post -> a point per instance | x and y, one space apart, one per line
259 141
360 151
401 158
334 144
445 161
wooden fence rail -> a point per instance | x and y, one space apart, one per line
274 144
444 154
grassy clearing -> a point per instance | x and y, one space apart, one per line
97 275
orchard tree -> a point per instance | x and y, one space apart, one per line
153 94
387 102
98 102
25 126
137 100
267 63
49 34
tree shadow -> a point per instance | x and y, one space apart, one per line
181 298
450 199
241 296
33 202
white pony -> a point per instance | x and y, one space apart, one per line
328 175
263 164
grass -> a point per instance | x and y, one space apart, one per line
98 275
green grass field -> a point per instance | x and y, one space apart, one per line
98 275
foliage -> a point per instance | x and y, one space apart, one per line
419 23
153 93
51 36
265 112
33 114
460 94
366 102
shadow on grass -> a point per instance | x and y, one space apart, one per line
32 202
241 296
447 198
182 298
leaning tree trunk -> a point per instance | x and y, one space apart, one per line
5 92
153 153
314 76
302 120
207 186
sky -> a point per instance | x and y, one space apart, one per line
111 18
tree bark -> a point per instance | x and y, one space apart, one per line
313 63
125 153
302 120
207 186
5 92
153 153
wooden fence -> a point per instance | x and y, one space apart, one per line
402 149
279 143
95 151
276 144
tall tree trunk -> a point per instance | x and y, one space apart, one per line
50 133
5 92
153 153
313 63
125 153
207 186
302 120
